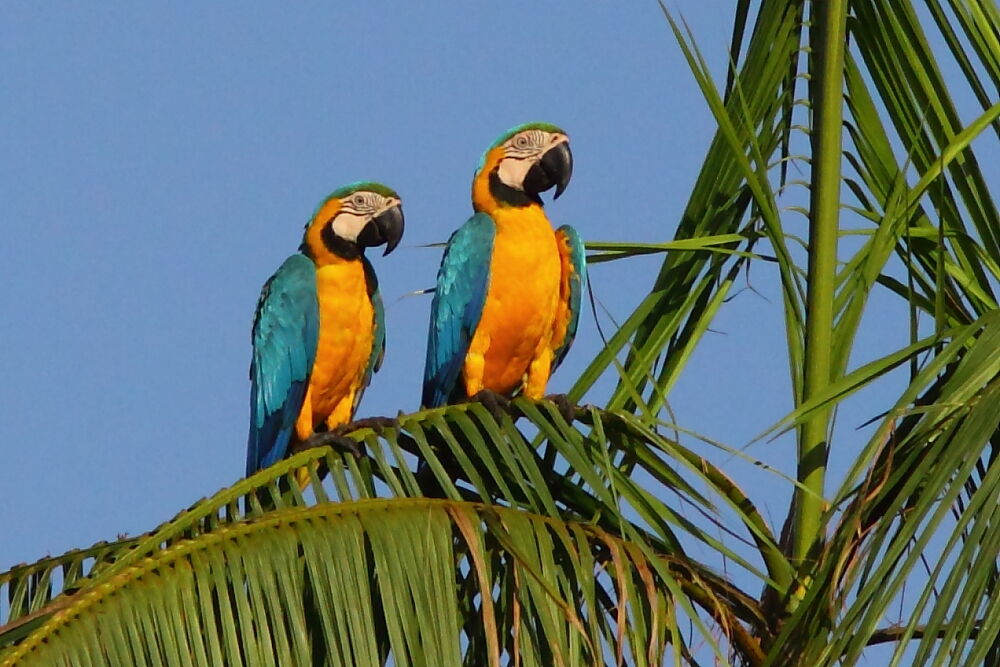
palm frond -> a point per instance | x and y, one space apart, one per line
906 515
326 585
587 469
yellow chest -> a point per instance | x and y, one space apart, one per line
517 320
345 341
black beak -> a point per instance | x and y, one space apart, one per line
555 168
386 227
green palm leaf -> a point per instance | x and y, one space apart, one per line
470 454
326 583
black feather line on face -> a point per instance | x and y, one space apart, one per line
505 194
339 246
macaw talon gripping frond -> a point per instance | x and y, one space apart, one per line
497 404
565 406
338 442
376 424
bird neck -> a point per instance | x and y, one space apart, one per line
321 244
489 193
526 224
324 247
332 250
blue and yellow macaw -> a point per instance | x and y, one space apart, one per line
509 289
319 330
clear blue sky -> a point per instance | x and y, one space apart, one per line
158 164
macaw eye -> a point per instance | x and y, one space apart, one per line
359 200
521 141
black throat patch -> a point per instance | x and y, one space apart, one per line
338 246
505 194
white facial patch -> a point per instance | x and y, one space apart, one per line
512 171
348 225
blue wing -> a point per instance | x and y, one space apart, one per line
462 282
285 329
574 284
378 331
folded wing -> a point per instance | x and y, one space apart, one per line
285 330
462 283
571 289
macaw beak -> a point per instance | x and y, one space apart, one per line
386 227
555 168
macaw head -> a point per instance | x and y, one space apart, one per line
524 162
355 217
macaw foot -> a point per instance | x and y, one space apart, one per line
333 439
565 406
377 424
492 401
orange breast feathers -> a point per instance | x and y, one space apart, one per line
346 322
512 345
